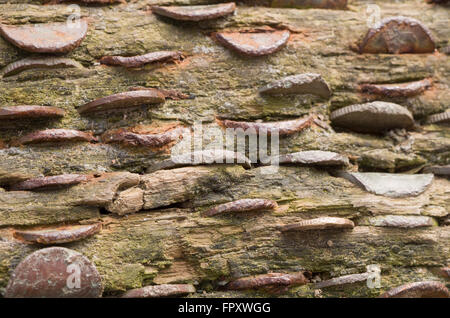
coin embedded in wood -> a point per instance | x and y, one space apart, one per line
55 272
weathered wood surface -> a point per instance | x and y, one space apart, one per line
168 241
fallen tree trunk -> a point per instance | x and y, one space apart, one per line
164 238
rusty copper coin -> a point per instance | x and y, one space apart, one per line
282 127
46 38
426 289
123 100
39 63
55 272
242 205
398 35
141 60
254 44
55 135
58 235
51 182
397 90
196 13
129 138
30 111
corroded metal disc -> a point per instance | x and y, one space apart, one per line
56 135
123 100
322 223
54 272
397 90
398 35
372 117
58 235
242 205
308 83
51 182
46 38
314 158
389 184
141 60
30 111
426 289
441 118
254 44
41 63
196 13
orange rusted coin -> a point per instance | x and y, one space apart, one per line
58 235
41 63
397 90
398 35
242 205
254 44
141 60
426 289
123 100
30 111
55 135
63 180
46 38
196 13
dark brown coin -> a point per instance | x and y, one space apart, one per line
398 35
55 272
372 117
123 100
271 279
282 127
254 44
56 135
397 90
30 111
140 60
46 38
426 289
164 290
58 235
41 63
322 223
63 180
242 206
196 13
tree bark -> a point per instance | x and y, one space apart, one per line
168 240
